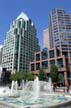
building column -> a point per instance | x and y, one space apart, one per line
48 61
65 77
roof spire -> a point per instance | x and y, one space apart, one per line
23 15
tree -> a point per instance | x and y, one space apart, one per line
16 76
60 78
41 74
24 75
30 76
54 73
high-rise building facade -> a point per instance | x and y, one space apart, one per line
1 50
45 38
60 32
20 44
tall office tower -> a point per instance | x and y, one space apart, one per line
60 32
45 39
20 44
1 49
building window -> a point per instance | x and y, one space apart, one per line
60 62
37 66
37 57
44 55
51 53
70 54
64 48
58 52
45 64
32 67
66 54
19 24
15 30
23 24
52 62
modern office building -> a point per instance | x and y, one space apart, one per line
1 50
60 32
45 38
48 57
59 52
20 44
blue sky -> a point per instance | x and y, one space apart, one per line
37 10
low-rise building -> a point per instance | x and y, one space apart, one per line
48 57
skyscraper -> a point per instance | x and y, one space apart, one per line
45 39
1 49
20 44
60 32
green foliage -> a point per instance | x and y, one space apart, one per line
22 75
60 77
30 76
41 74
16 76
54 73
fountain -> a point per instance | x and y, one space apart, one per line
14 89
36 88
22 85
49 85
6 91
36 94
12 86
16 86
